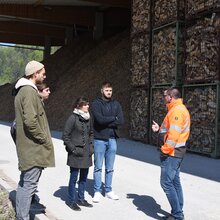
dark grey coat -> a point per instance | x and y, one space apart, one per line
78 139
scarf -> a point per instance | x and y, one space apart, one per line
85 115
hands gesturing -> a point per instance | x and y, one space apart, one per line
155 127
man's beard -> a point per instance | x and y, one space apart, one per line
39 81
105 97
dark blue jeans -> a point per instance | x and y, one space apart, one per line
170 182
81 184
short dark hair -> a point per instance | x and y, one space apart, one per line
174 93
106 84
41 86
80 102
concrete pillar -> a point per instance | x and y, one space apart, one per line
47 47
98 29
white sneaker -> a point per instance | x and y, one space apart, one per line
96 197
111 195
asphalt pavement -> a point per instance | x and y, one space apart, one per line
135 181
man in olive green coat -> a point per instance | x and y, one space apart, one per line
33 140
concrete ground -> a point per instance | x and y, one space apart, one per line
136 181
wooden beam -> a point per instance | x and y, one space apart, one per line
114 3
31 29
28 40
68 15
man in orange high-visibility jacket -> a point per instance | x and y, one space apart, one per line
173 134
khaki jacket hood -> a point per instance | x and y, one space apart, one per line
24 82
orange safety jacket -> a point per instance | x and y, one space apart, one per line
175 129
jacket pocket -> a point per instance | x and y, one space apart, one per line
79 151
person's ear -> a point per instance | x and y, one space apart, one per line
101 91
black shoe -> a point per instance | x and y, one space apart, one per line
170 217
84 203
74 206
38 207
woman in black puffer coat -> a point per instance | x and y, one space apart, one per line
78 139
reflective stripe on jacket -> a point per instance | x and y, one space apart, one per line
175 129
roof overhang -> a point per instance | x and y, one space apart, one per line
32 20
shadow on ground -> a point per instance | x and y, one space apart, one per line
62 192
144 203
147 205
193 164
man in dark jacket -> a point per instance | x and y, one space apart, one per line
33 140
108 115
